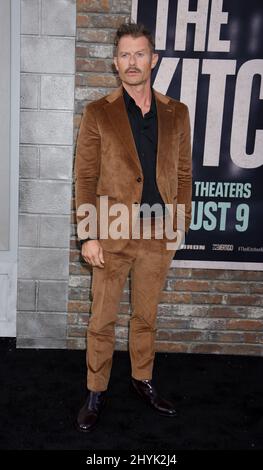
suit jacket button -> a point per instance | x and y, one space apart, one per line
139 179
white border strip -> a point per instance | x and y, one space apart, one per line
134 10
161 24
11 254
15 124
241 266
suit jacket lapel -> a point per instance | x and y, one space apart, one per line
165 114
117 114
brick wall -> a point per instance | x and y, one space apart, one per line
201 311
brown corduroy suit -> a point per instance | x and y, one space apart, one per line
107 164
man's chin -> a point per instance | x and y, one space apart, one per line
132 80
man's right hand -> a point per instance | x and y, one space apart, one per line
92 253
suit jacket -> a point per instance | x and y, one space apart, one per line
107 162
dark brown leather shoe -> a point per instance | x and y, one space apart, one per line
89 414
148 393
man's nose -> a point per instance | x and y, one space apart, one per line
132 59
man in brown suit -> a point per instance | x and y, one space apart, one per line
133 150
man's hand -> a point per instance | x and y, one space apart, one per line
92 253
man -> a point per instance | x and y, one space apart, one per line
133 149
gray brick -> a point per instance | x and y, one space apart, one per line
121 6
47 55
26 295
46 127
121 345
76 343
43 263
57 92
91 94
169 310
79 281
47 197
28 162
59 17
52 296
101 50
94 6
207 323
253 312
29 91
54 231
28 230
111 21
29 17
56 162
41 343
121 332
41 325
95 35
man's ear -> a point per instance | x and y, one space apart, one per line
115 62
155 58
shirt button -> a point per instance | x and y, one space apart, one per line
139 179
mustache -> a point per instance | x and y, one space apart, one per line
132 70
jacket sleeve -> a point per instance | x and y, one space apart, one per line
87 167
184 194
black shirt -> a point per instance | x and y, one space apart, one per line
145 134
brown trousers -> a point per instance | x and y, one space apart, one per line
148 261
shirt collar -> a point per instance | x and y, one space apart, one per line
129 101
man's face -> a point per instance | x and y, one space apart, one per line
134 60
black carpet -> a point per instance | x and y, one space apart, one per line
219 401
